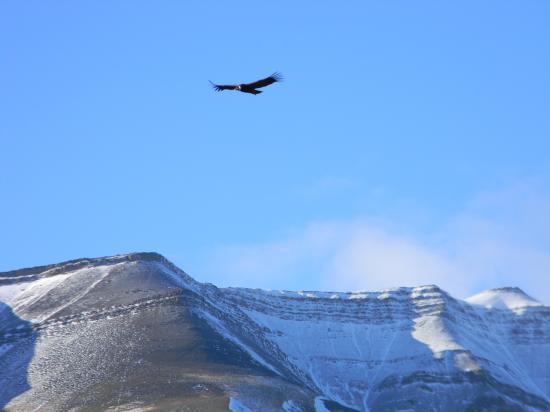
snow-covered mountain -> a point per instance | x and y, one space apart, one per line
134 332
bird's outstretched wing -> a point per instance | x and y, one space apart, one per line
275 77
220 87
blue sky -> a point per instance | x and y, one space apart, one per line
409 143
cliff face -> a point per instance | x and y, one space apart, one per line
134 332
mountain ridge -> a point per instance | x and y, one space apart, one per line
402 348
73 264
78 263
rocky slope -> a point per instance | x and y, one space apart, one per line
134 332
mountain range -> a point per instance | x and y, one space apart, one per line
135 333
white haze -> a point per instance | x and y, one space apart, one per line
499 239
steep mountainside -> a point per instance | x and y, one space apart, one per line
134 332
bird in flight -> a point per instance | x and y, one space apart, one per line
249 87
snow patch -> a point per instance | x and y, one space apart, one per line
9 292
432 331
503 298
320 404
291 406
26 293
236 406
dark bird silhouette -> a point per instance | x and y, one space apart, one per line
249 87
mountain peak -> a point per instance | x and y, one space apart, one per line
75 264
503 298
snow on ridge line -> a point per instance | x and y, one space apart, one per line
181 278
499 298
395 293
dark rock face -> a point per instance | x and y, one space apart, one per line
134 332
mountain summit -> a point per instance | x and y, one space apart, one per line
503 298
134 332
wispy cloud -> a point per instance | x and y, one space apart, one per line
500 238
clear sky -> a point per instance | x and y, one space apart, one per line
409 143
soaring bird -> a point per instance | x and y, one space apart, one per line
249 87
